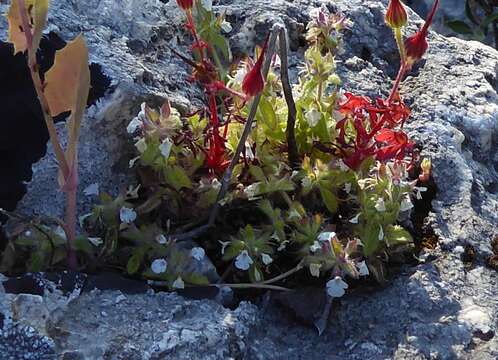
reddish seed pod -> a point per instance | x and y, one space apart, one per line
416 45
396 16
253 82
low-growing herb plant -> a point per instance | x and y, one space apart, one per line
64 88
271 179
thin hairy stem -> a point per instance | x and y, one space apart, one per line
247 129
289 99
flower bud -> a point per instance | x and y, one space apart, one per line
185 4
396 16
253 82
416 45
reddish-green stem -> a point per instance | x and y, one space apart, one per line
70 226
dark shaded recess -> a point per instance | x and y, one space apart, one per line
23 134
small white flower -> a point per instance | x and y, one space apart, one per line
336 287
134 125
96 241
159 266
315 269
141 146
313 117
355 219
127 215
251 191
243 261
59 231
306 182
179 283
419 191
249 153
132 162
347 187
326 236
161 239
91 190
315 247
363 268
226 27
267 259
381 233
406 204
197 253
165 148
380 206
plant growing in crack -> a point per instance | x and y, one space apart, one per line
276 182
64 88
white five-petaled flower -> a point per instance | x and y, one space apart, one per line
134 125
127 215
336 287
197 253
159 266
315 269
243 261
91 190
161 239
363 268
313 117
380 206
165 148
179 283
355 219
267 259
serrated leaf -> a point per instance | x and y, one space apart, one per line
37 11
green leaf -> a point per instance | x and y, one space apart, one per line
329 199
195 279
460 27
176 177
83 244
397 235
135 261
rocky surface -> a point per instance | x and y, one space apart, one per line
440 309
